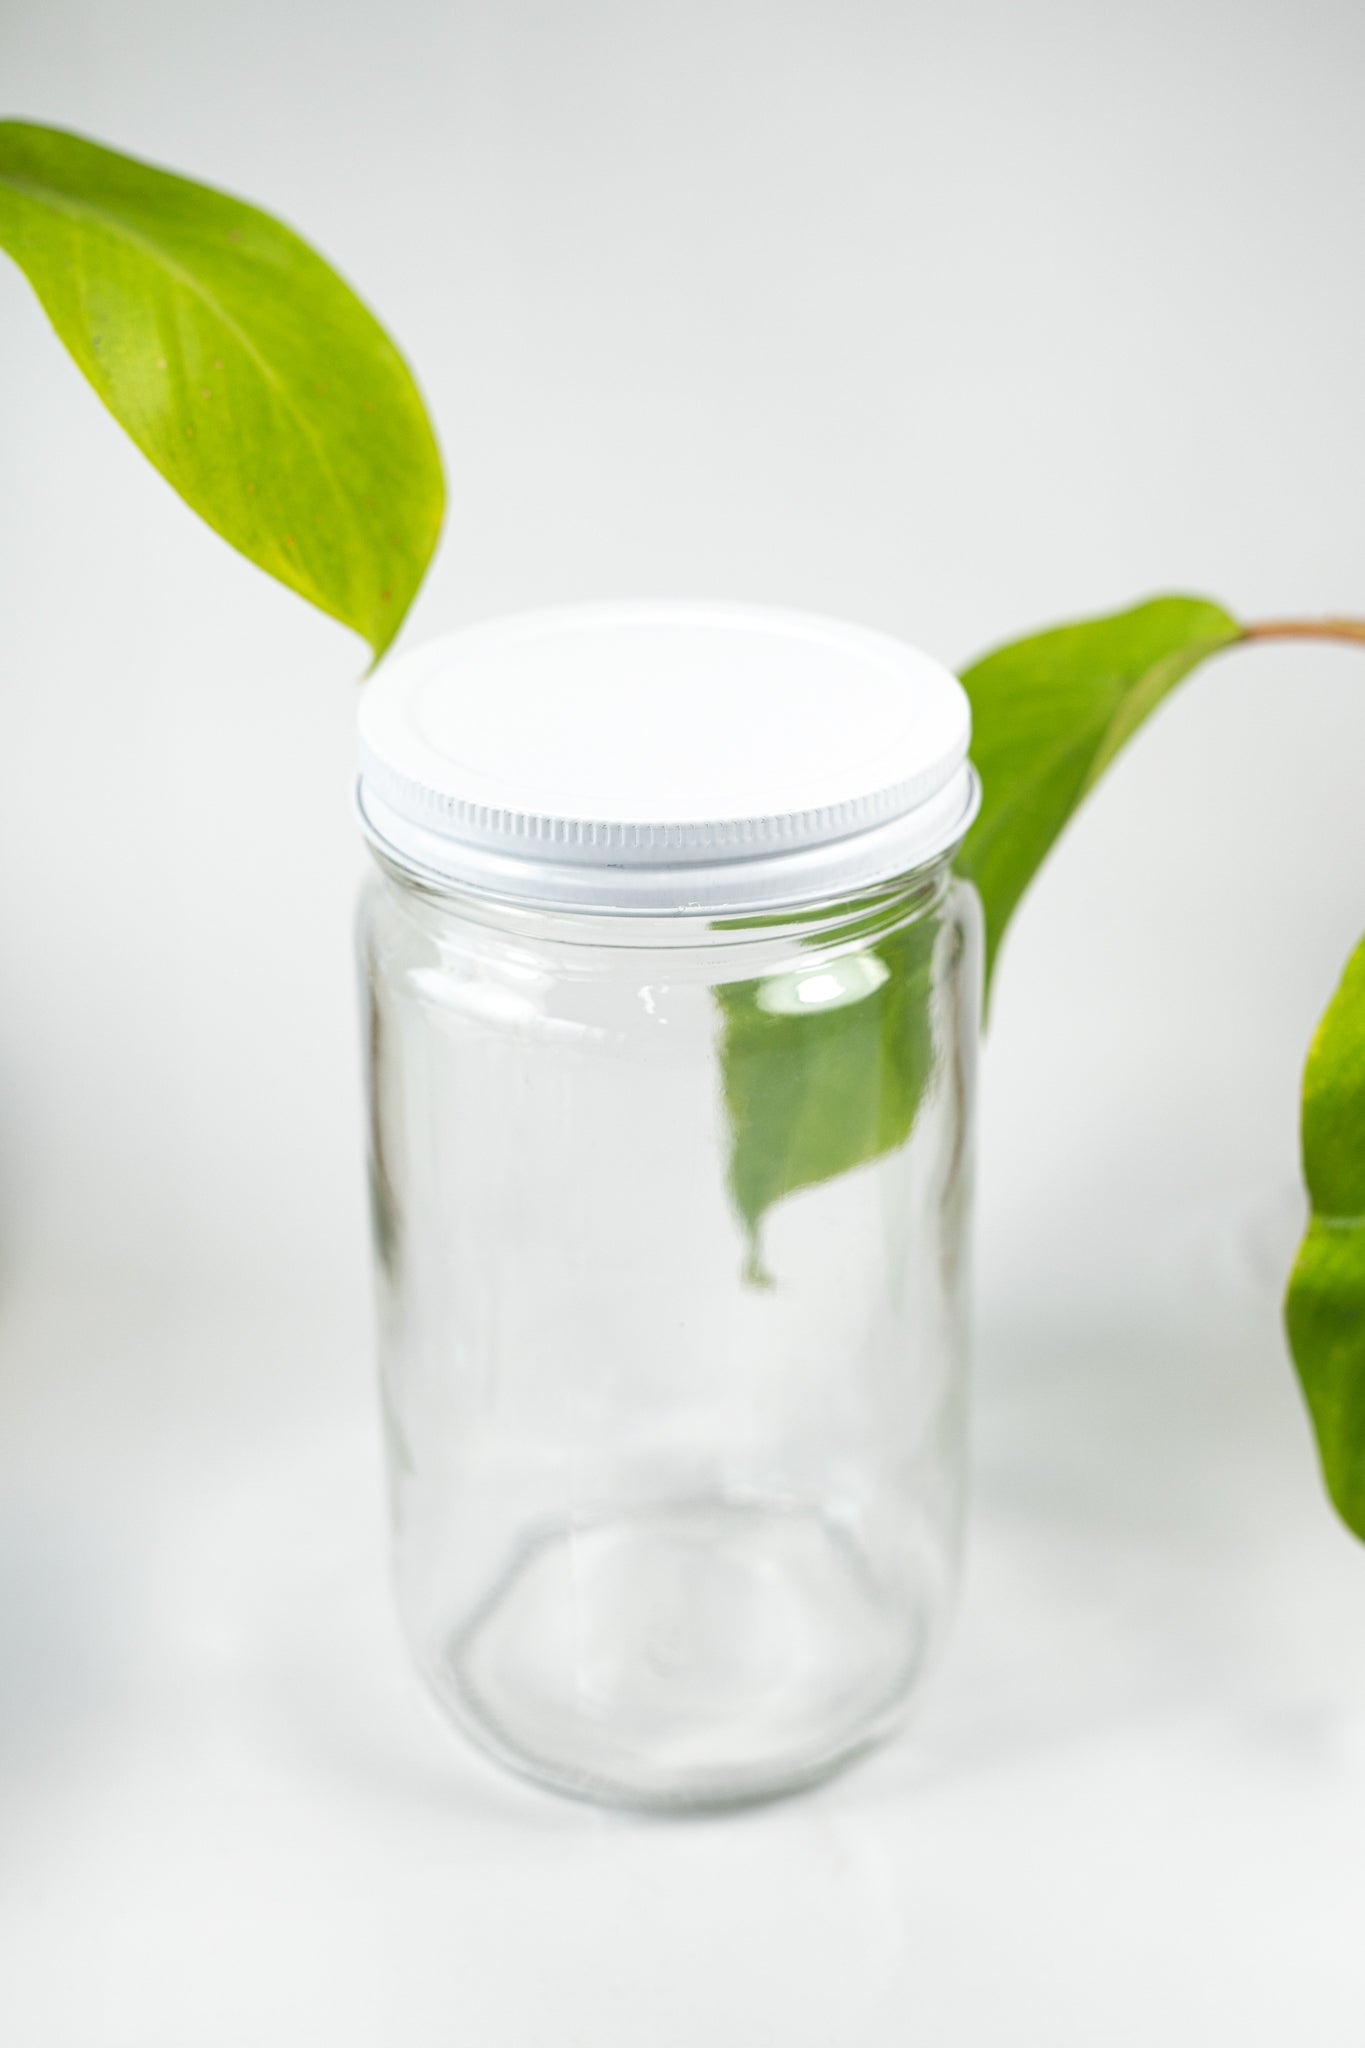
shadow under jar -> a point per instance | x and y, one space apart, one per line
671 1006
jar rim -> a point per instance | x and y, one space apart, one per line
782 881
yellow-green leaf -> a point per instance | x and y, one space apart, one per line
1048 716
1325 1304
241 365
823 1067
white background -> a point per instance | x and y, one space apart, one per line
954 319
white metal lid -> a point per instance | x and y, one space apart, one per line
665 757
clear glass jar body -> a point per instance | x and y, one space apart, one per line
671 1226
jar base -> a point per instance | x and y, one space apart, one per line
705 1654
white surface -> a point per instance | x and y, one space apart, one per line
691 750
1131 1809
954 320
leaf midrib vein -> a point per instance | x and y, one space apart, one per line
992 826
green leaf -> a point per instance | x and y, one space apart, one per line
240 363
823 1067
1325 1304
1048 716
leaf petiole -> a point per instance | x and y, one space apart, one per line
1346 630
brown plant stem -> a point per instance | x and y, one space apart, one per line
1352 630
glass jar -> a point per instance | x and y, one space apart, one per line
671 1017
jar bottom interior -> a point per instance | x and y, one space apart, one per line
705 1653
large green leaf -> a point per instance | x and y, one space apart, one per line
1048 716
823 1067
812 1096
1325 1305
240 363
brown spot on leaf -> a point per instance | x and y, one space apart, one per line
386 595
